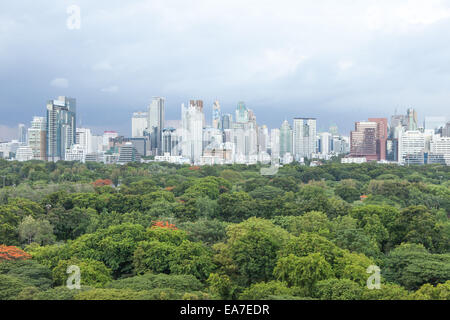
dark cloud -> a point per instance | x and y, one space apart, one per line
338 61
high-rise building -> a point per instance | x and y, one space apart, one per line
285 139
275 143
227 121
411 147
156 123
381 136
61 127
22 133
241 113
37 138
192 132
446 130
84 139
363 141
325 143
304 137
139 123
411 119
216 116
263 139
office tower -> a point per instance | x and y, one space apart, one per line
446 130
411 147
434 123
325 143
381 136
216 116
241 113
340 145
61 127
156 124
263 139
128 153
170 141
139 122
37 138
275 143
304 137
22 133
107 136
285 139
363 141
192 132
411 119
227 121
440 150
84 139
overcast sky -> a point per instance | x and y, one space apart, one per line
340 61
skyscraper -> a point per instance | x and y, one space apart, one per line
216 116
411 119
22 133
156 123
363 141
61 127
227 121
139 122
192 133
84 139
304 137
381 136
37 138
285 138
241 113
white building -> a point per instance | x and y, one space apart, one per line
441 146
84 139
354 160
192 133
304 137
76 153
411 144
275 143
139 123
24 153
106 136
37 138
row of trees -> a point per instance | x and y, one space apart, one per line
160 231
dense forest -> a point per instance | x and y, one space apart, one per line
162 231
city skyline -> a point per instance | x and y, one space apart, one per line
338 62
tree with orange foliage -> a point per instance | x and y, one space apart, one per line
102 182
12 253
164 225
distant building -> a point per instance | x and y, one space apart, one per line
76 152
22 133
128 153
285 139
61 127
37 138
304 137
216 116
363 141
156 115
139 123
24 153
